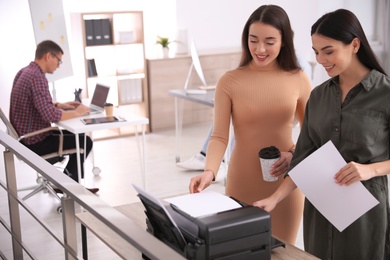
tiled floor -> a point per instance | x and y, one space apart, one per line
119 163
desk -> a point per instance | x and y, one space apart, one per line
77 127
180 94
135 212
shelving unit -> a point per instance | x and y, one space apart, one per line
115 42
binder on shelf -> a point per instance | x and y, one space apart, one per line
130 91
91 68
98 32
106 31
89 33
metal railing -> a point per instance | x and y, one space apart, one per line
74 194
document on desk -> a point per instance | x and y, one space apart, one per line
205 203
341 205
100 120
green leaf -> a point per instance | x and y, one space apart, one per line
163 41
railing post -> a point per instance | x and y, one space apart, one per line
13 205
69 226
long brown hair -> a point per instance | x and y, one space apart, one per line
343 25
275 16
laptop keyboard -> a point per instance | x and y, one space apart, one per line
94 110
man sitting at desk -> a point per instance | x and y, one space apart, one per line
32 108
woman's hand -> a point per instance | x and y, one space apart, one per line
353 172
267 204
201 181
281 166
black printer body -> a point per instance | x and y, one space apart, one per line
242 233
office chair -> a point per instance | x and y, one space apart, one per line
52 158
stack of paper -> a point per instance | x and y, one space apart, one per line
204 203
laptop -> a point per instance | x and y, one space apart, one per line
99 98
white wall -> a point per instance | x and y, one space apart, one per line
17 46
214 24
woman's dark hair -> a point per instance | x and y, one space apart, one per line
275 16
47 46
343 25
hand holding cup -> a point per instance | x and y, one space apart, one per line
268 156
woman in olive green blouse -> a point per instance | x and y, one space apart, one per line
352 109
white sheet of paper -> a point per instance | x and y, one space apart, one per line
341 205
204 203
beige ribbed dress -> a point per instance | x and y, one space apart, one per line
262 104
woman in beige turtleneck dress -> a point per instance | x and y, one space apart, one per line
262 96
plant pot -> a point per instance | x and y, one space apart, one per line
165 52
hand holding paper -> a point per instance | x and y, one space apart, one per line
341 205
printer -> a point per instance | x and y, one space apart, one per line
241 233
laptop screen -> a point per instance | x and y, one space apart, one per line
100 95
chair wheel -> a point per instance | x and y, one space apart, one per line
96 171
59 209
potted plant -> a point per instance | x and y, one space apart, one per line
164 42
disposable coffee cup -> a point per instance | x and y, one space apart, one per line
268 156
109 109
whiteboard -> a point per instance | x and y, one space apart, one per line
48 21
